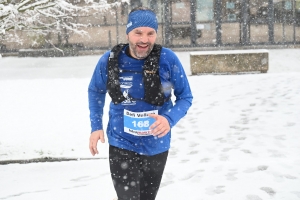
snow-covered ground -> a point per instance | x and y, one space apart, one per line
239 141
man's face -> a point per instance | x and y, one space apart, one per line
141 41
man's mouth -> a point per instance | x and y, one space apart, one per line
142 46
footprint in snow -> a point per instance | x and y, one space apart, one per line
166 183
231 176
253 197
246 151
215 190
205 160
193 152
259 168
193 144
268 190
184 161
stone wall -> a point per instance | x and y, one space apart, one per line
235 61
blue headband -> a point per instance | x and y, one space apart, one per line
141 18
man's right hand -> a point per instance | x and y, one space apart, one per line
95 136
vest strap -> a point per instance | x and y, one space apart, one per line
153 88
113 83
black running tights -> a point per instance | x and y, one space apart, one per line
135 176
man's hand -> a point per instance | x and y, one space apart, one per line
95 136
161 125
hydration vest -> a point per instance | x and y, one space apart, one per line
152 85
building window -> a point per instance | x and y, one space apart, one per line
231 11
205 10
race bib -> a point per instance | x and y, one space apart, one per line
138 123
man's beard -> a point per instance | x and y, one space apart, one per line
143 54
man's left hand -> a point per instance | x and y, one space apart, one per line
160 127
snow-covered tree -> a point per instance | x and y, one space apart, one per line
47 16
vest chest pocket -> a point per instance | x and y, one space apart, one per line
131 85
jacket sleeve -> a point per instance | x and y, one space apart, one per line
182 92
97 93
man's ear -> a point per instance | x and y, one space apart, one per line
127 37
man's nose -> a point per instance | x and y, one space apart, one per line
144 39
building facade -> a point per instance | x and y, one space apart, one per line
196 23
227 22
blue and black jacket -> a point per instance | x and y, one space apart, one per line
173 80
